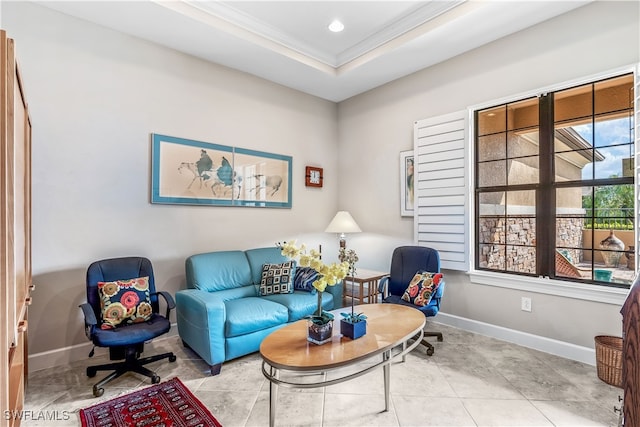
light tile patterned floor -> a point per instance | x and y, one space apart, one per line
471 380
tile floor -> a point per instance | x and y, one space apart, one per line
471 380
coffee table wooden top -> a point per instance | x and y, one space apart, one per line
387 326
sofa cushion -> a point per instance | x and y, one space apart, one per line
246 315
260 256
301 303
215 271
277 278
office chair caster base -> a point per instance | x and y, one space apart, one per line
91 372
155 379
97 391
172 359
430 348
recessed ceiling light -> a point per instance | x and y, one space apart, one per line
336 26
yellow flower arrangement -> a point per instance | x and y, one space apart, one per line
328 274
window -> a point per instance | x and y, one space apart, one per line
554 185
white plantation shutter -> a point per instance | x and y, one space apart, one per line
442 191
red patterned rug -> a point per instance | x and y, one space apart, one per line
169 404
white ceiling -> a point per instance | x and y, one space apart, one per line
287 42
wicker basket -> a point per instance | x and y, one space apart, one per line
609 359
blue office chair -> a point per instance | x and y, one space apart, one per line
126 340
406 261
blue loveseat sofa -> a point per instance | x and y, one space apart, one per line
221 315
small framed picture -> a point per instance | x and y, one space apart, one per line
313 176
406 183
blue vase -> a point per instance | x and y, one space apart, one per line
353 330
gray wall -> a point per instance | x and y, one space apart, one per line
590 40
96 95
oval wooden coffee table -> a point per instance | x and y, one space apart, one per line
288 351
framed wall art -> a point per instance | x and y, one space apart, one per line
407 192
185 171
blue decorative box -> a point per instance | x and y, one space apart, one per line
353 330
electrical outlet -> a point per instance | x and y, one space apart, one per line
526 304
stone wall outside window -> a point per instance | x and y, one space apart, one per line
513 241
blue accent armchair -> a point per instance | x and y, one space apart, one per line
406 261
125 341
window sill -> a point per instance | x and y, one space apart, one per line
541 285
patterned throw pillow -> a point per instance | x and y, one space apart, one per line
304 278
124 302
422 287
277 278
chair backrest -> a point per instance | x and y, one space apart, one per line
406 261
112 269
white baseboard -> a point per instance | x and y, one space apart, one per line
66 355
536 342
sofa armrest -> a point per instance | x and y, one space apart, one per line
336 291
201 319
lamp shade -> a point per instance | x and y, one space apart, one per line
343 222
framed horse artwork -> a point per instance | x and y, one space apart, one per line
185 171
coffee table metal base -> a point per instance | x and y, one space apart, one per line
388 357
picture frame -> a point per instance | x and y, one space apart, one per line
313 176
191 172
407 189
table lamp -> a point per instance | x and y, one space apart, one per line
341 224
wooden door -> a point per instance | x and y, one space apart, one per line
631 356
15 230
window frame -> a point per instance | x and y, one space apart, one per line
591 291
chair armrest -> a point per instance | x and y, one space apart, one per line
171 304
90 320
438 295
382 286
89 315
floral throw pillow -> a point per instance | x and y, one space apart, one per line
422 287
124 302
277 278
304 278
